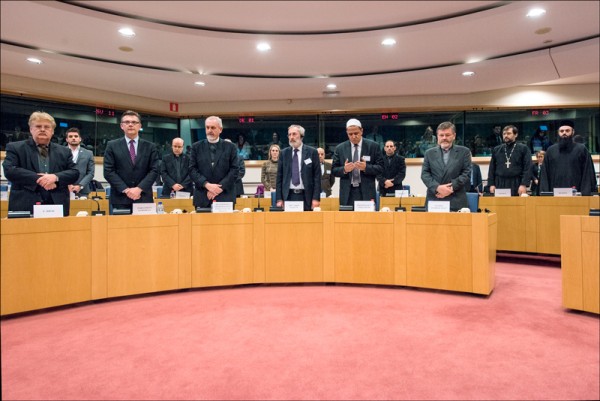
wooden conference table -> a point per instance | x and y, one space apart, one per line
57 261
530 224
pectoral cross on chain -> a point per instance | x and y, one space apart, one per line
507 164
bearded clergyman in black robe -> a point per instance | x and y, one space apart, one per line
568 164
510 166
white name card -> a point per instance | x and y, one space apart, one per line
43 211
502 192
401 193
222 207
293 206
4 195
182 195
563 191
143 208
438 206
364 206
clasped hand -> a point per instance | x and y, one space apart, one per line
349 166
444 190
47 181
213 190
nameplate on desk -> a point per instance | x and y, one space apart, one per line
502 192
222 207
4 195
563 191
143 208
42 211
401 193
438 206
293 206
364 206
182 195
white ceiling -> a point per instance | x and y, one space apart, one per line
313 43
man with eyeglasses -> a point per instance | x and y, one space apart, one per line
130 165
40 171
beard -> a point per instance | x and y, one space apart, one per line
564 141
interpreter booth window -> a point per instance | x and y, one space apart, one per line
537 128
253 135
413 133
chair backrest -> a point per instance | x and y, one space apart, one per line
159 192
273 198
473 201
406 188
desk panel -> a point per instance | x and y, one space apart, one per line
222 249
548 210
39 272
512 222
294 247
580 262
143 254
364 247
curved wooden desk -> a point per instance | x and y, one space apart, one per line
111 256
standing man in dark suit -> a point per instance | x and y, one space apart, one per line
84 162
327 179
39 170
357 162
213 166
447 169
130 165
394 170
174 170
299 172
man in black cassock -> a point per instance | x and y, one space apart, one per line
568 164
510 166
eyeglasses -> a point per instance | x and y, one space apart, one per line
130 122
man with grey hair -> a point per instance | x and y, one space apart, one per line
299 172
357 161
213 166
447 169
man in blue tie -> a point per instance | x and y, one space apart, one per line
299 173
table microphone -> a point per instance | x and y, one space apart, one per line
259 209
400 208
95 198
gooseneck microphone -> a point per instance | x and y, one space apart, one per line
400 208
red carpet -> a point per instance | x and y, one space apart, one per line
311 342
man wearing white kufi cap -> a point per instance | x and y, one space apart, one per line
357 161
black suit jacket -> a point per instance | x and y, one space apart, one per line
394 167
457 172
476 186
21 167
168 173
374 168
224 171
327 179
310 174
121 174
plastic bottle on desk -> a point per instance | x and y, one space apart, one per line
160 209
172 195
574 189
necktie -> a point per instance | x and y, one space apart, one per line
132 151
355 172
295 169
43 149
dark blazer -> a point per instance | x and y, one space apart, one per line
168 173
476 186
374 168
121 174
21 167
394 167
310 174
86 167
457 172
224 171
327 179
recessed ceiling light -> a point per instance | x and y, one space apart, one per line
536 12
263 46
199 83
474 60
34 60
468 74
388 42
127 32
331 86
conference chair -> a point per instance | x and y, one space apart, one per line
473 201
